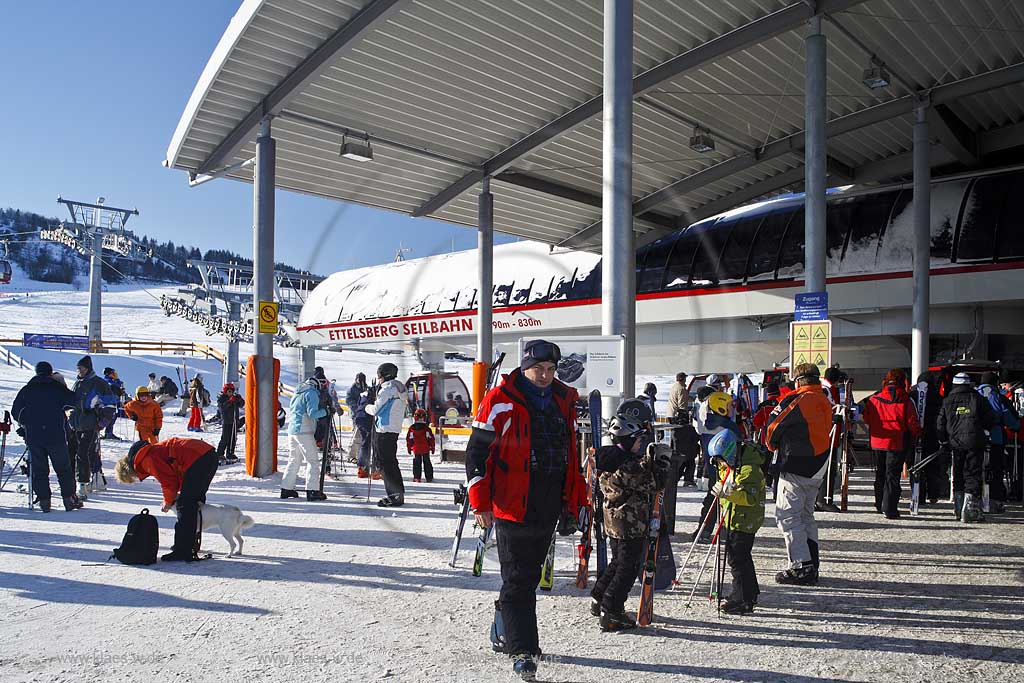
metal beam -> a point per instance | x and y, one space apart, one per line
738 39
954 135
998 139
844 124
343 40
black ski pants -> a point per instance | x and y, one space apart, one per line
56 449
228 438
967 471
194 486
996 471
738 545
361 436
85 454
521 550
387 462
888 470
612 588
421 464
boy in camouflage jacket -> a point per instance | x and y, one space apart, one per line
629 472
740 487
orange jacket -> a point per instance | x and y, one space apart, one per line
800 429
148 416
168 461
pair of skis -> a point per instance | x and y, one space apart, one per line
593 525
844 491
920 404
659 562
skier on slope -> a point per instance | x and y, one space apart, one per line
304 412
93 411
799 435
630 471
964 418
146 414
388 411
198 398
1007 418
894 427
523 471
230 406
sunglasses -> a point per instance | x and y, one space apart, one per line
545 352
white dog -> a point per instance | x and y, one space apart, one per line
230 520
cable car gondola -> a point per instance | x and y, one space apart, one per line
5 267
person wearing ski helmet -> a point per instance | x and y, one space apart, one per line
419 441
1007 419
388 412
523 470
715 409
799 435
304 411
740 487
230 406
630 471
891 419
964 418
146 414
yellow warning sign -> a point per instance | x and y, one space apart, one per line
811 342
268 317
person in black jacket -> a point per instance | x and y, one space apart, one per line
39 409
961 425
93 410
230 404
168 391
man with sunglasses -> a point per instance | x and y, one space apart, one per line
523 470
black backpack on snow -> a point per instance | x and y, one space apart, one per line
142 540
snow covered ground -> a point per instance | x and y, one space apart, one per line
343 590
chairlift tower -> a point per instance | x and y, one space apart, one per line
96 220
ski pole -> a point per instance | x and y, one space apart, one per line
703 566
703 524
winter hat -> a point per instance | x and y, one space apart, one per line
990 378
152 375
134 451
108 371
680 376
713 380
319 373
961 378
387 371
140 390
228 385
43 369
85 362
539 351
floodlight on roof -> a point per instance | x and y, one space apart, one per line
701 141
876 77
357 150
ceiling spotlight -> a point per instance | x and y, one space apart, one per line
701 141
357 150
876 77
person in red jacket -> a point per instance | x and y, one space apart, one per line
184 468
894 427
419 441
523 470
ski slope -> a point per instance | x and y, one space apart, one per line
345 591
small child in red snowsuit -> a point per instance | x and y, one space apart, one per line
420 442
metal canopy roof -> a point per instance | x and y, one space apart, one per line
448 92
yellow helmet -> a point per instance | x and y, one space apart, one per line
720 403
141 390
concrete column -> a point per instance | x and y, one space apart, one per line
815 150
485 252
95 330
308 363
231 363
263 258
922 242
618 265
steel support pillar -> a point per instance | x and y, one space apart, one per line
815 150
618 265
263 290
922 242
95 330
485 252
307 365
231 361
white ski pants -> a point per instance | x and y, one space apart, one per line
794 514
303 448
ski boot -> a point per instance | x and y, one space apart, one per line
972 510
289 493
616 621
391 502
996 507
958 505
361 473
99 482
72 503
231 459
44 504
83 490
595 608
416 480
315 495
524 666
804 575
737 607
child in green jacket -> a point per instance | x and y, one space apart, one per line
740 487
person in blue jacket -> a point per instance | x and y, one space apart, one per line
117 388
39 409
93 410
1007 417
304 412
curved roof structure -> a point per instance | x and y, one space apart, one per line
448 92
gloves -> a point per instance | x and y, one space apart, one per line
720 490
135 418
658 453
20 431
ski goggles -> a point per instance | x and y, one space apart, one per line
540 351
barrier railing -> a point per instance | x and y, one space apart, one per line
145 346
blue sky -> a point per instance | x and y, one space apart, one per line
92 92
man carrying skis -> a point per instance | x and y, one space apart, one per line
964 418
523 470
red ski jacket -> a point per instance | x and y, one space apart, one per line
498 454
889 415
167 462
419 440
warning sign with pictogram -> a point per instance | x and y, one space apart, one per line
811 342
268 317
